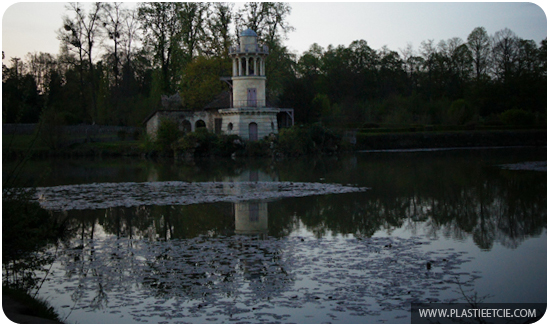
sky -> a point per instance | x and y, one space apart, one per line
31 27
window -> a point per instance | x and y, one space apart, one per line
218 126
200 124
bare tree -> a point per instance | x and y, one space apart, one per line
82 33
113 24
480 47
505 52
267 19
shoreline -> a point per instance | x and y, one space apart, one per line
364 143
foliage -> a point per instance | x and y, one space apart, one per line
313 139
460 113
26 231
258 148
203 142
167 133
517 117
200 81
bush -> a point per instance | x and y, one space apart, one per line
460 113
229 144
314 139
517 117
203 142
167 134
258 148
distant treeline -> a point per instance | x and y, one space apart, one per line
116 63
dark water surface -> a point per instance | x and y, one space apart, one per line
347 240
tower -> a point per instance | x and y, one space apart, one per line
249 117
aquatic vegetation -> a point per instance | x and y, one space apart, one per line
251 279
529 166
129 194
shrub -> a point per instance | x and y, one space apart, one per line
203 142
460 113
167 134
229 144
314 139
517 117
258 148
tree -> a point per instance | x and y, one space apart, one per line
113 22
161 26
39 66
505 53
218 36
21 102
201 81
192 16
480 47
267 19
130 33
81 33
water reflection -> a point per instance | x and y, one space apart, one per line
249 261
457 197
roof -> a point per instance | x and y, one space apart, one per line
222 101
248 32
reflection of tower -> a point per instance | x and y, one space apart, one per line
250 216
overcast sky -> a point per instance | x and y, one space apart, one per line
31 27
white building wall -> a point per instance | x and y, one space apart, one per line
266 119
241 86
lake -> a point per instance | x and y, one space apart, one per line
353 239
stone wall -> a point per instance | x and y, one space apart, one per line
184 119
99 130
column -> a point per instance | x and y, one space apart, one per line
234 67
247 66
240 66
256 66
262 67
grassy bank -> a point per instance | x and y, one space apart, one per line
295 141
29 306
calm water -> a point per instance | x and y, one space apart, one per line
299 240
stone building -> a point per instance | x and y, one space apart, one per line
242 111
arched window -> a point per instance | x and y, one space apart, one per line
230 126
200 124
